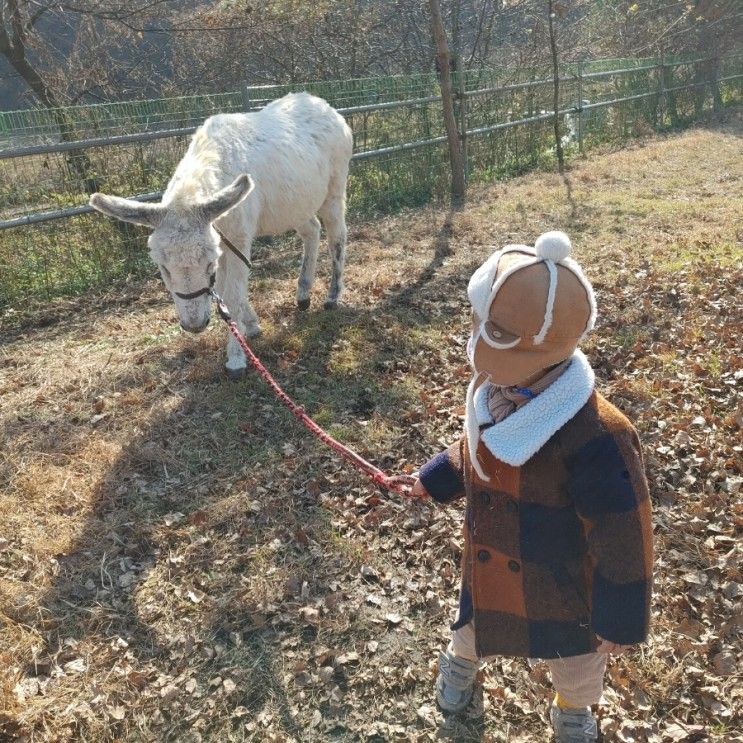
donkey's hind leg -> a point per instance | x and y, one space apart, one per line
310 234
333 215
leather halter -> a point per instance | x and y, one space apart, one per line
198 292
230 245
208 289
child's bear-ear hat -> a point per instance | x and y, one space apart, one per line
534 306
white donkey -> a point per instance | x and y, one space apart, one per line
297 152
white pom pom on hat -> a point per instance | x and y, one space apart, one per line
553 246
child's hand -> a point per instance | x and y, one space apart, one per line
610 647
419 491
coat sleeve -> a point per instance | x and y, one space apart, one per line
610 492
443 476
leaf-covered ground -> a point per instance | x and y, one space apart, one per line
180 561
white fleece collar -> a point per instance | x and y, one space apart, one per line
517 438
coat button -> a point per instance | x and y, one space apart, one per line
513 566
483 555
485 498
512 506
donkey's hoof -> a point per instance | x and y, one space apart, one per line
303 304
331 304
235 375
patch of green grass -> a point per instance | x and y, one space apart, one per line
354 551
668 360
158 339
683 252
341 431
627 336
714 362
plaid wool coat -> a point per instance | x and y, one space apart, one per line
558 548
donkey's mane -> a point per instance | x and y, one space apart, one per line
197 174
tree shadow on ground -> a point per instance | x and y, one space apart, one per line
135 571
442 250
117 580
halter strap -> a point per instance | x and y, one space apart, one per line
230 245
199 292
207 289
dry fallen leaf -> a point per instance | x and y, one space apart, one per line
309 614
229 686
75 666
678 733
117 712
196 595
169 692
725 663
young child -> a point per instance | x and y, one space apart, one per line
558 541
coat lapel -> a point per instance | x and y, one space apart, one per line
523 433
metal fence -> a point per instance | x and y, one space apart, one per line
51 244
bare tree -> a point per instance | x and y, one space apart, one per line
68 51
458 184
551 13
18 20
79 50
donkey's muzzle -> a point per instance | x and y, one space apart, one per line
195 328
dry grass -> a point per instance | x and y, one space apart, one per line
180 562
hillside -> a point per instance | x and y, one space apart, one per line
179 560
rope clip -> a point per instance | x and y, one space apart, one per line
224 313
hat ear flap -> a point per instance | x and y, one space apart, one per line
472 427
481 284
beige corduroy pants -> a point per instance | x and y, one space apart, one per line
578 680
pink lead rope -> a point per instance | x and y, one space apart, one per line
402 484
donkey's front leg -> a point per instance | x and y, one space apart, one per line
232 286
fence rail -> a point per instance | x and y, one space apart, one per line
48 238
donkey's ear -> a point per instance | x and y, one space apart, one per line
230 196
128 210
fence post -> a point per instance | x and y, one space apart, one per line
716 97
699 89
461 90
245 90
661 92
670 95
580 106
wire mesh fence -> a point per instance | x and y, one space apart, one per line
50 243
45 126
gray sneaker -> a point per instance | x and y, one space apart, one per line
573 725
455 682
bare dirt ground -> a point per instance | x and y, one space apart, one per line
180 561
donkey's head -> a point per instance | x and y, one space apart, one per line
183 243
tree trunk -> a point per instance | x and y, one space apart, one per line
14 50
556 87
447 98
